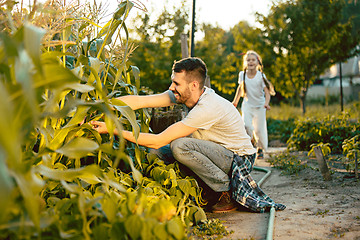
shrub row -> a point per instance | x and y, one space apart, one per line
330 129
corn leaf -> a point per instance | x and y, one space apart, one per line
78 148
32 38
136 73
79 116
128 113
6 185
91 173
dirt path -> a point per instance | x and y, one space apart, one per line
316 209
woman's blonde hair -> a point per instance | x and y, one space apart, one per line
259 67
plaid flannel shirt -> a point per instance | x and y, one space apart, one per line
244 189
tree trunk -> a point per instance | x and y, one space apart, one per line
303 104
322 164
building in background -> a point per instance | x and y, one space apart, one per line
329 83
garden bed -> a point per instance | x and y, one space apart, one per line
316 209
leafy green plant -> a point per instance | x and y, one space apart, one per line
325 149
280 129
351 149
59 178
331 129
211 229
287 162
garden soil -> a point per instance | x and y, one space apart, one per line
316 209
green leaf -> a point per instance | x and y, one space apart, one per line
138 156
136 73
83 88
79 116
133 225
23 69
163 210
123 9
32 38
6 186
90 173
78 148
9 45
109 207
30 186
160 231
184 185
128 113
199 215
176 228
136 173
55 75
59 138
118 231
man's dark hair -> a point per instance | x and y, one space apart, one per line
194 67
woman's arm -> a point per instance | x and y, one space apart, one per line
267 98
237 96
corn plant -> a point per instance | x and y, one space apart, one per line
351 149
59 178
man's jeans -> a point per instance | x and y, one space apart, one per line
208 160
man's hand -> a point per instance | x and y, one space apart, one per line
100 127
267 106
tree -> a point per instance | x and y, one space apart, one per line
307 38
247 38
158 46
222 50
216 49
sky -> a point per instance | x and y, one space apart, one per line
222 13
225 13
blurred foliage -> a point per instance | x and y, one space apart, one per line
295 43
332 129
324 147
307 38
288 163
158 45
351 150
282 119
280 129
211 229
288 111
59 178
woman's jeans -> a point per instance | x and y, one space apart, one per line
208 160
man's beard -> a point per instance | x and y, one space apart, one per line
183 97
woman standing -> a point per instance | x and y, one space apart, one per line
256 90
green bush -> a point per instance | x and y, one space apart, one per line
330 129
288 163
351 150
280 129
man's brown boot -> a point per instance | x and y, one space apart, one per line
224 204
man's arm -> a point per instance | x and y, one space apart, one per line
175 131
147 101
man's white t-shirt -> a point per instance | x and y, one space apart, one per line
255 95
219 121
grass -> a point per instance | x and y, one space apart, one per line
286 111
